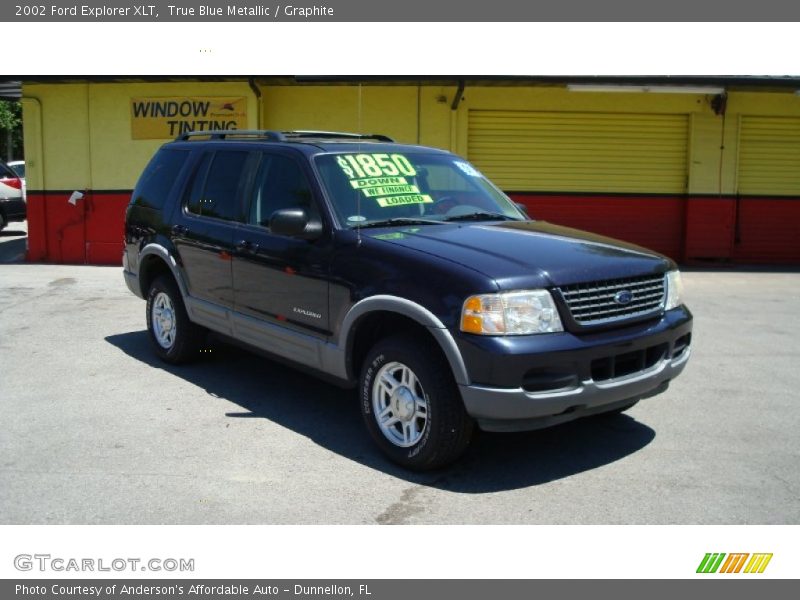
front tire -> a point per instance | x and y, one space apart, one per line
411 405
175 338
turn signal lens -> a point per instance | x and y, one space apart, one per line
511 313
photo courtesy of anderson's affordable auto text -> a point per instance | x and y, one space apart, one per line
251 316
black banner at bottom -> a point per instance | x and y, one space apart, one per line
733 588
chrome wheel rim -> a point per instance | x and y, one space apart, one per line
163 319
399 404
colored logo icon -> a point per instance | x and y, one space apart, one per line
719 562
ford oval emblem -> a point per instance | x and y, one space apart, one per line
623 297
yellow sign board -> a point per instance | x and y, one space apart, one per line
166 118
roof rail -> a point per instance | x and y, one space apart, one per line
221 134
281 136
333 135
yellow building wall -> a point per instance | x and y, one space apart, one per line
408 114
78 135
390 110
86 130
60 158
760 105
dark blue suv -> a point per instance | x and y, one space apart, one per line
403 271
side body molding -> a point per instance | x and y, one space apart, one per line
413 311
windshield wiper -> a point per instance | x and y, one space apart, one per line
399 221
480 216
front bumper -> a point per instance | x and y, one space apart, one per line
564 377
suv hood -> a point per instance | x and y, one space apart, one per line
520 254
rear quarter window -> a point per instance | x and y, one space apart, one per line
158 178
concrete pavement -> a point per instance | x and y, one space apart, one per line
96 430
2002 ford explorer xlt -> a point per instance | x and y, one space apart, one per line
403 271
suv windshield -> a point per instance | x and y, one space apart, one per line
396 188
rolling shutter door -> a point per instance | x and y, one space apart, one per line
768 228
580 152
769 156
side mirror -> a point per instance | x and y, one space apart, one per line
522 208
294 222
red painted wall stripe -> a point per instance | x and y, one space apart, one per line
767 231
747 230
655 222
89 232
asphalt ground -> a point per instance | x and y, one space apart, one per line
94 429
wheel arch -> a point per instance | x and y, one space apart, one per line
376 317
155 260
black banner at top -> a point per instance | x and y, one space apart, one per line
400 11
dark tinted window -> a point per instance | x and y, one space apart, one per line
195 190
280 183
215 186
158 178
222 185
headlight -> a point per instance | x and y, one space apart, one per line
510 313
674 290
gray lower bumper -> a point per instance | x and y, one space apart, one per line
499 409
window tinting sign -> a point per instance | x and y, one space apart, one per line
168 117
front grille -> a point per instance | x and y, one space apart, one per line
594 303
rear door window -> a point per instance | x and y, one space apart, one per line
217 185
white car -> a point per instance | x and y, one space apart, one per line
12 199
18 166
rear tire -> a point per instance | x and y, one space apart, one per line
411 404
175 338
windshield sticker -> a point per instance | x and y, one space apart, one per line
401 200
362 166
390 190
467 168
360 184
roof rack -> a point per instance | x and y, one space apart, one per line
282 136
221 134
333 135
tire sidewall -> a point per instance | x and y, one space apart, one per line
421 452
156 288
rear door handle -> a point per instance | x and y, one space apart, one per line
180 229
